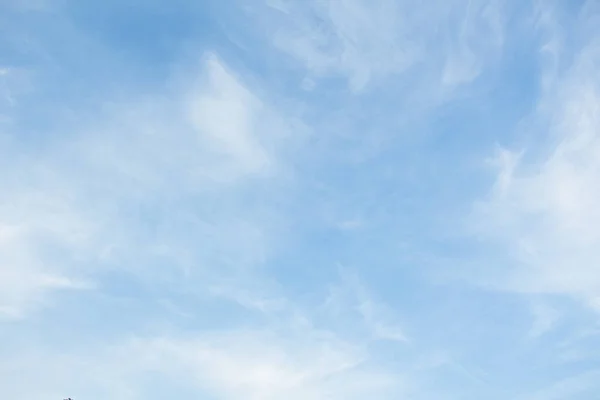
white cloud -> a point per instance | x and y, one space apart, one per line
349 306
35 224
479 35
14 83
68 212
226 115
260 299
544 204
370 40
378 318
187 198
259 366
545 319
291 362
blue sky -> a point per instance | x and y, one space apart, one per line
311 200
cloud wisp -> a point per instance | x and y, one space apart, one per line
287 200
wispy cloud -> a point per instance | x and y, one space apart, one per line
543 203
545 318
369 41
240 365
179 185
379 320
66 208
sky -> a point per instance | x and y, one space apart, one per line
300 199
